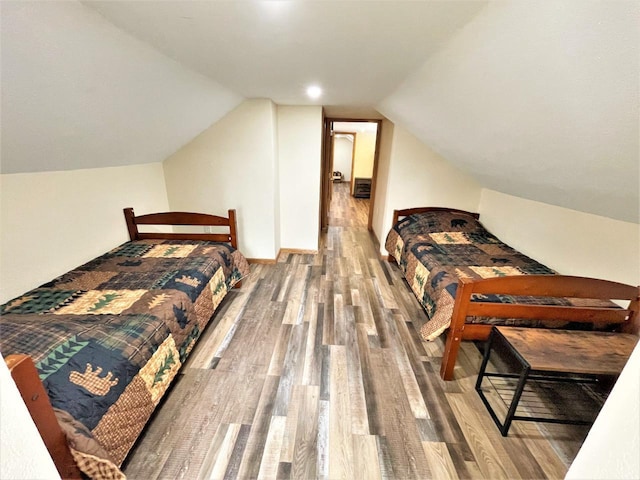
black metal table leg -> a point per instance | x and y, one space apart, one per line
485 359
514 402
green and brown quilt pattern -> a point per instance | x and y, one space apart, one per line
108 337
435 249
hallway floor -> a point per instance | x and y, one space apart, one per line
346 210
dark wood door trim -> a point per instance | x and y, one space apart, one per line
374 176
325 173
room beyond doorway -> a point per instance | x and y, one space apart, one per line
350 157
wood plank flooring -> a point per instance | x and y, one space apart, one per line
315 369
345 210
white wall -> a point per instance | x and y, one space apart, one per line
233 164
418 177
52 222
538 99
571 242
277 240
24 455
612 447
299 146
78 92
343 157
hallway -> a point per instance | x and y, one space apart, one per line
346 210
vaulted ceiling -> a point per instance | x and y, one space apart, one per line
537 99
357 51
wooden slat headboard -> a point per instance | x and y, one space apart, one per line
183 218
397 214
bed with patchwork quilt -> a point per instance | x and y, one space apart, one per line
467 280
108 337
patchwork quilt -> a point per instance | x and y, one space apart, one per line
435 249
108 337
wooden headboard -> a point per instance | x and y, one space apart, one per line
183 218
397 214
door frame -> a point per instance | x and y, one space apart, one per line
325 172
353 154
327 164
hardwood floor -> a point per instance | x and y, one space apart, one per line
314 369
345 210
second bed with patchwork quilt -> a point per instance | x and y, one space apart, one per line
108 337
435 249
467 280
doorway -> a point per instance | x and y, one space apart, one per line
350 160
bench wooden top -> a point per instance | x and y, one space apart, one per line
571 351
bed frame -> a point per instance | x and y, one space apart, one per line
35 397
23 369
398 214
627 319
183 218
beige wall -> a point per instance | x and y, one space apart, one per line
381 203
264 161
571 242
416 176
52 222
583 244
233 164
299 146
364 154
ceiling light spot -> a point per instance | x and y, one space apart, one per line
314 91
275 8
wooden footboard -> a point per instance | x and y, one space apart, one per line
561 286
35 397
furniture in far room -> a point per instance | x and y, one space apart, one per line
107 338
337 177
362 187
548 357
467 280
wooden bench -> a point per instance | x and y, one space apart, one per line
552 355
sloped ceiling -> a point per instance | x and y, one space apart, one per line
357 51
97 84
77 92
538 100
